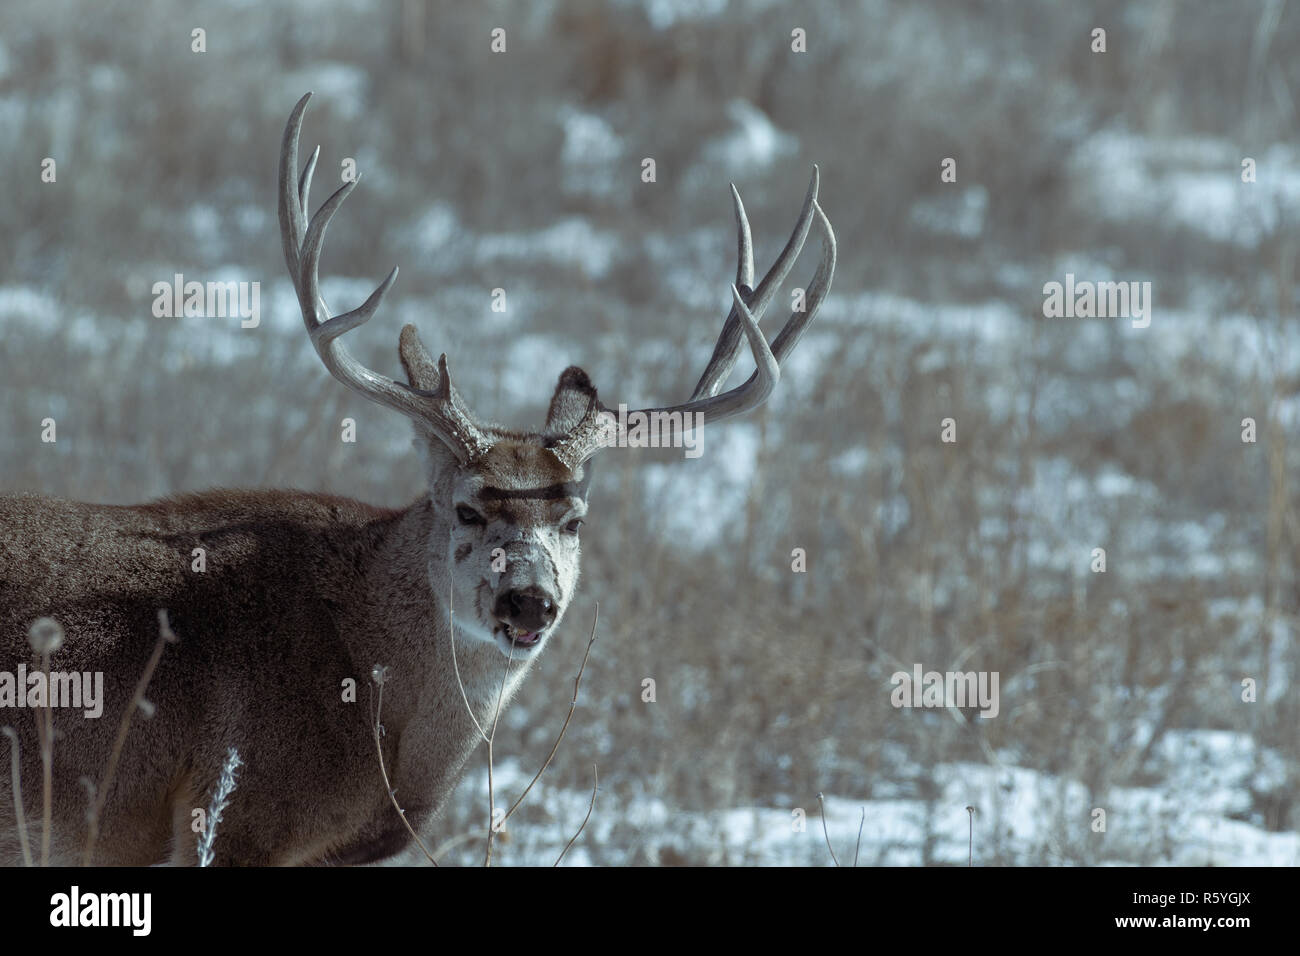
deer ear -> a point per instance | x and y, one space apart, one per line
421 370
574 397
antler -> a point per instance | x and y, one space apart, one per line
593 432
441 409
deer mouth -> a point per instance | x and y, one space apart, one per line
518 639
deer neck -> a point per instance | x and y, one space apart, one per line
431 688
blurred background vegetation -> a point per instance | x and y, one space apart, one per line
521 171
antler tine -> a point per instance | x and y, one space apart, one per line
727 349
593 432
303 242
304 182
744 243
324 332
798 322
293 220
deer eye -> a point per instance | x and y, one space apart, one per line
573 526
468 515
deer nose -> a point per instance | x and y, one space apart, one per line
529 609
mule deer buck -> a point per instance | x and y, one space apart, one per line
304 590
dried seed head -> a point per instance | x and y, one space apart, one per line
45 635
380 674
147 708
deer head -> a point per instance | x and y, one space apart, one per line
509 504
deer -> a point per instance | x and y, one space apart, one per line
456 594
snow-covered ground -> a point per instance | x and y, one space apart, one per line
1021 817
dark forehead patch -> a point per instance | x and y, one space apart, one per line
520 483
567 489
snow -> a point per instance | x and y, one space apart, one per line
959 212
753 142
663 14
1022 816
591 155
1191 183
571 242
